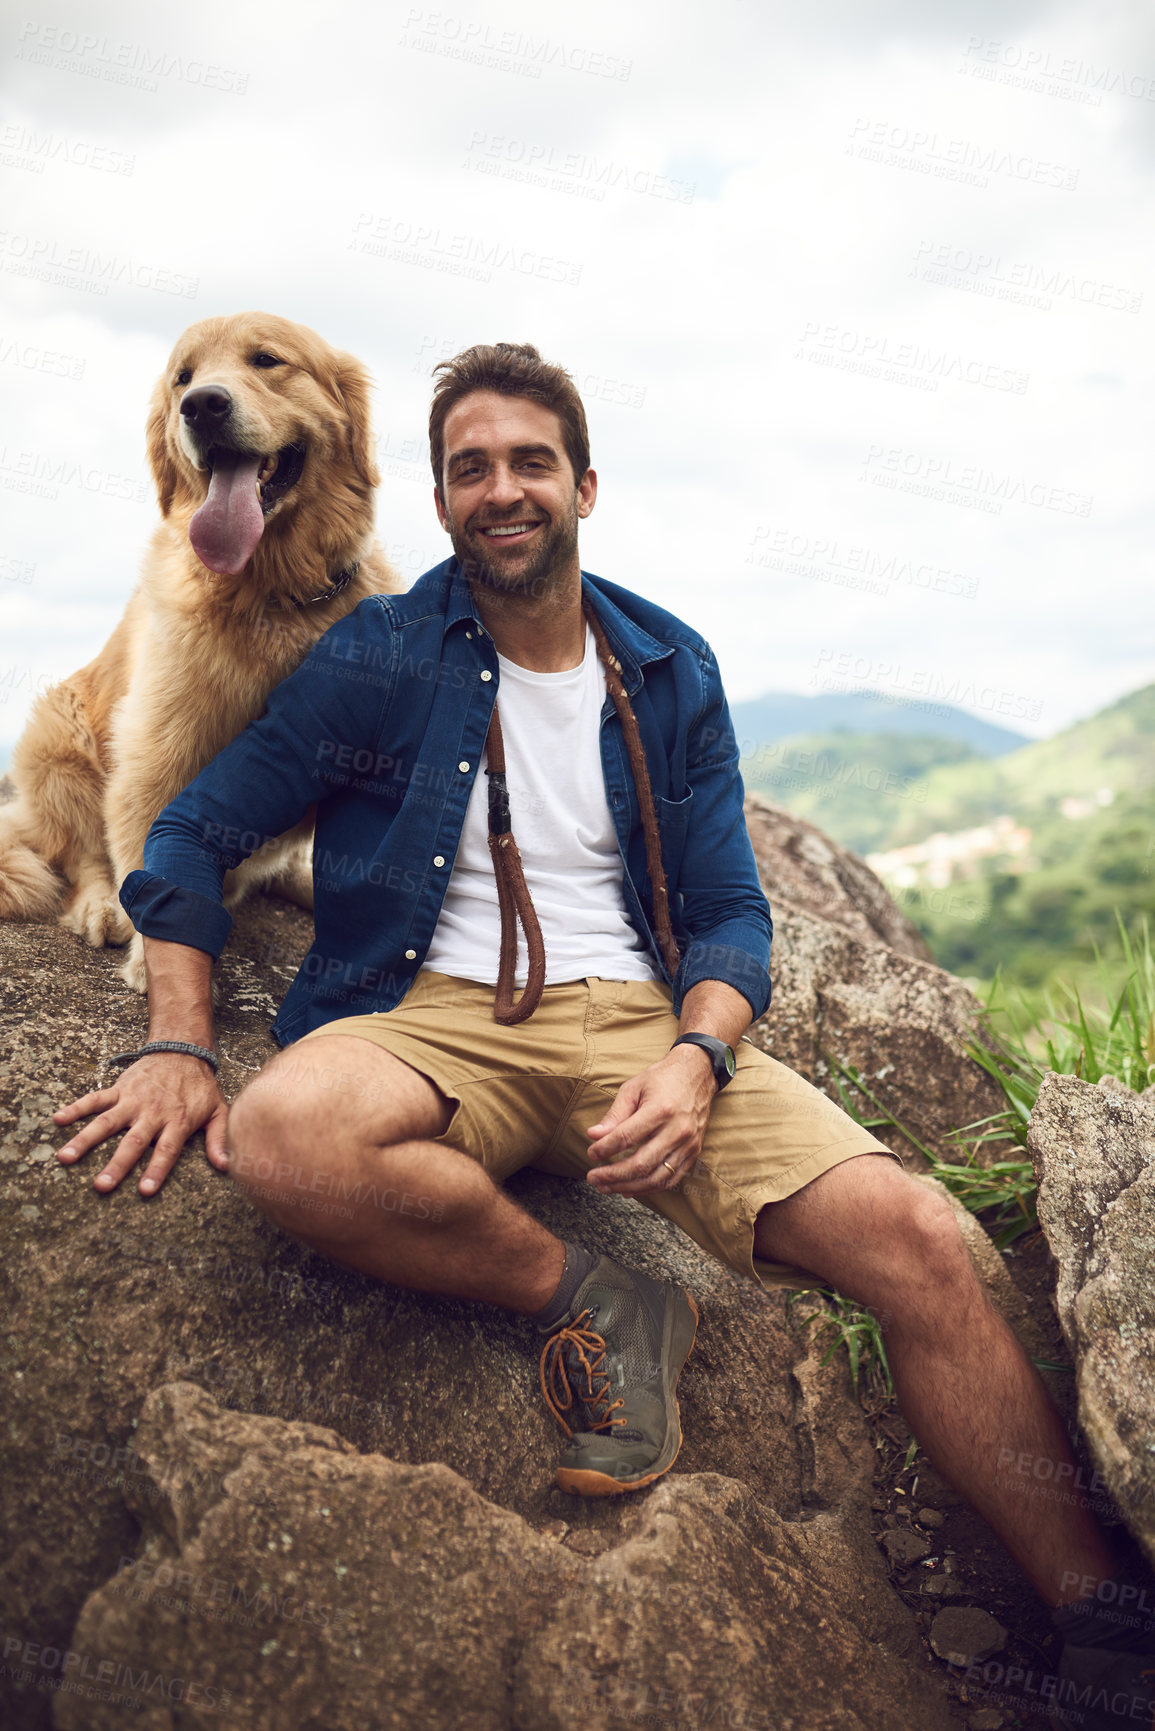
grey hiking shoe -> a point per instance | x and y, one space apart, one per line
610 1374
1106 1673
1097 1690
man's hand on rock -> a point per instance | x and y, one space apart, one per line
162 1099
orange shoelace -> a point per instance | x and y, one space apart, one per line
557 1391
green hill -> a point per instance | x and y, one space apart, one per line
859 787
1050 913
1038 905
1114 749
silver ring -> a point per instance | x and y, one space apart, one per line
669 1168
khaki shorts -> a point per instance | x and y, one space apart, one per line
525 1095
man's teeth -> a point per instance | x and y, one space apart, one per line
509 529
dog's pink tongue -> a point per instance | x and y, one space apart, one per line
226 529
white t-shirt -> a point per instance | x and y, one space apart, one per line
563 828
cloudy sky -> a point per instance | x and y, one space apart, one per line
859 294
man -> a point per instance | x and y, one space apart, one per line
648 944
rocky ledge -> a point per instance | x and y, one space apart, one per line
246 1487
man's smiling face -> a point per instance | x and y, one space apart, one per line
508 495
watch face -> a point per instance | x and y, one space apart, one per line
722 1058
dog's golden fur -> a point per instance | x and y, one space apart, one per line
197 651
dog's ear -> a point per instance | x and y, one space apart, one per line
352 385
164 470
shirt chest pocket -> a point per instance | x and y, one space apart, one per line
673 826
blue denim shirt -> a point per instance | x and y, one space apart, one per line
383 728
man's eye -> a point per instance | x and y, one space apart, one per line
184 376
266 360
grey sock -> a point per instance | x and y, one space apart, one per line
578 1263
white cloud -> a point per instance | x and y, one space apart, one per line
724 334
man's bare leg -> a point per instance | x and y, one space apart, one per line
331 1141
967 1389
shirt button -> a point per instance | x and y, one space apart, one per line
486 674
439 859
463 766
469 636
411 955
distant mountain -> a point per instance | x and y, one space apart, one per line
785 714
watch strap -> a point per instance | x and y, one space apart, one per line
722 1059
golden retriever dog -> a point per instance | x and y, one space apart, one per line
260 445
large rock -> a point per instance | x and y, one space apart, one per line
853 986
284 1579
111 1297
803 867
1094 1155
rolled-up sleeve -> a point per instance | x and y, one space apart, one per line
260 784
725 914
160 908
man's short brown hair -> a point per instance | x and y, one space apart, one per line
513 370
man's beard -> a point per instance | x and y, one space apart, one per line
554 553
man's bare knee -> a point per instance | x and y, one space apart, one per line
879 1236
258 1131
931 1274
321 1168
333 1205
337 1086
363 1081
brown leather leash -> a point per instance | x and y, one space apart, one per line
513 897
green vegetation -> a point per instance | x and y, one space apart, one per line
859 1332
1068 921
855 786
1018 1043
1058 1031
1111 749
1000 1191
1052 915
1049 915
1038 917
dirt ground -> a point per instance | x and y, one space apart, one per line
967 1566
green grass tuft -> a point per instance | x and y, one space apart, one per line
857 1330
1017 1044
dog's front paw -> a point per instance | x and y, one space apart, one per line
119 927
95 915
131 970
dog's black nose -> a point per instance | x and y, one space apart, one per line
206 405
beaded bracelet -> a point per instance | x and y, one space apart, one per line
185 1046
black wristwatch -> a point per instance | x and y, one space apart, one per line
721 1055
